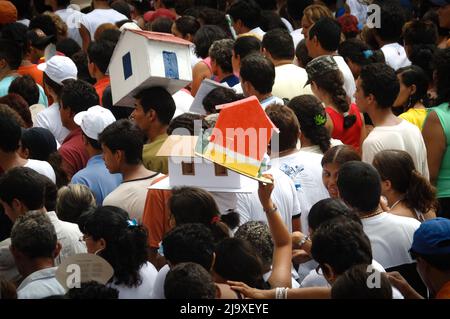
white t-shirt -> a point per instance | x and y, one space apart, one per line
148 274
258 32
395 56
297 36
391 237
305 170
238 88
283 196
183 102
289 81
95 18
40 284
271 100
316 149
73 20
50 119
42 167
158 287
349 80
131 196
404 136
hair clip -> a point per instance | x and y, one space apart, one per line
132 222
215 219
345 114
368 53
320 120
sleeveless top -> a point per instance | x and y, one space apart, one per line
443 180
349 136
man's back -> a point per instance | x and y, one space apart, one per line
100 16
290 81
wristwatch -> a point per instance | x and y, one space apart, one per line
272 210
303 241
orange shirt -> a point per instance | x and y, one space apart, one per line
444 293
34 72
100 86
156 217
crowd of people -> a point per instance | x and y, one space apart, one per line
359 170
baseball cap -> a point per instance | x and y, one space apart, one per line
432 237
151 16
319 66
82 3
59 68
94 120
8 12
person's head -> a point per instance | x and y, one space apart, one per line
257 233
68 47
257 75
311 15
399 176
26 87
122 144
109 233
352 284
154 107
376 88
205 37
190 242
221 52
37 143
271 20
33 240
237 260
61 26
243 46
327 209
218 96
162 24
185 27
349 25
187 124
72 201
10 55
122 7
212 16
111 35
431 249
392 19
286 121
102 29
312 118
21 189
57 71
18 104
301 53
443 13
44 23
359 186
99 54
92 290
296 9
441 64
189 281
245 15
413 87
323 37
277 45
327 84
357 53
76 96
17 32
339 244
5 110
8 13
10 132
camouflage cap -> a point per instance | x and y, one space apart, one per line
319 66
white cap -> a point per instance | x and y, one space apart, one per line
94 120
130 26
59 68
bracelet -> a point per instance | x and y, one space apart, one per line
281 293
303 241
272 210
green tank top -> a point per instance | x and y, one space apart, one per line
443 181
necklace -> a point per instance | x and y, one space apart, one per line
395 204
379 211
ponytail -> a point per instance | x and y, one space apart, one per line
420 195
339 97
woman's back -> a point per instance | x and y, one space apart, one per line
349 136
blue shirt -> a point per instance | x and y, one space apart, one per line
6 82
97 177
231 80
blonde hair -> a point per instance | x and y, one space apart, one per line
72 201
316 11
61 26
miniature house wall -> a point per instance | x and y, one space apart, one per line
144 59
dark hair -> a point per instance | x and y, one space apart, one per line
189 243
398 167
327 209
51 192
111 35
205 37
16 32
26 87
159 100
267 4
278 43
68 46
24 8
328 33
221 51
125 136
45 23
359 52
441 64
259 71
211 16
40 143
219 96
301 52
55 160
92 290
245 45
341 243
24 184
340 154
123 7
11 52
414 75
257 233
352 284
380 80
359 185
307 108
286 121
441 262
196 205
18 104
162 24
168 3
10 133
186 122
126 246
271 20
187 25
100 53
78 95
189 281
392 19
62 3
295 8
237 260
248 11
81 61
7 289
48 82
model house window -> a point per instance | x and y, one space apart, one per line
220 170
187 168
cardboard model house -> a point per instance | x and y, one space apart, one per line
144 59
